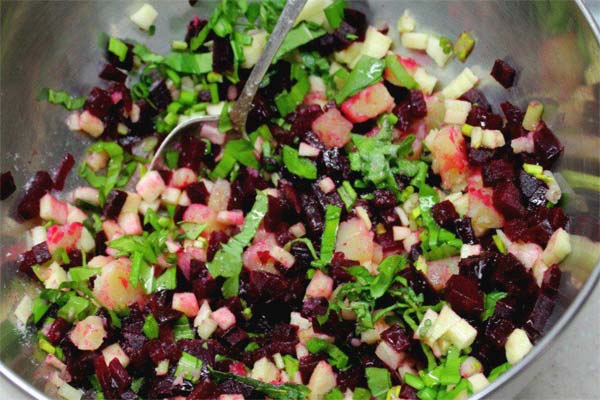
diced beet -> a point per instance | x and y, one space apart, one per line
289 193
261 113
314 306
351 378
25 261
204 96
303 118
444 214
57 330
214 243
480 157
311 138
80 365
420 284
35 189
533 189
410 110
464 295
497 171
275 215
487 353
308 364
191 152
334 163
163 387
476 98
478 267
222 55
236 338
397 337
160 95
536 322
100 242
464 230
333 198
479 116
547 146
514 120
41 252
197 193
159 350
497 330
551 281
111 73
555 216
243 189
384 198
509 308
114 203
231 386
127 63
205 389
503 73
312 214
507 200
511 276
98 102
205 350
357 20
399 93
7 185
62 171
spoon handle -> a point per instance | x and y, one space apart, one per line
239 112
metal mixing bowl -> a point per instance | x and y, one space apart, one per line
555 46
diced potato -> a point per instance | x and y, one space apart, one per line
517 346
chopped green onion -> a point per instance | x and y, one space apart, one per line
287 102
118 48
533 169
74 309
187 98
466 130
189 367
533 115
499 244
489 303
172 158
61 98
413 381
463 46
446 44
332 221
167 281
150 327
379 381
402 76
83 274
335 13
39 309
337 357
182 329
499 370
451 373
298 165
292 365
334 394
189 63
179 45
367 71
361 394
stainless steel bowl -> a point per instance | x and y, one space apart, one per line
555 45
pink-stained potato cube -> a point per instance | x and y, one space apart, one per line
63 236
91 124
88 334
113 289
320 285
368 103
332 128
439 271
112 229
75 214
150 186
449 152
130 223
482 212
233 217
186 303
52 209
355 240
224 318
183 177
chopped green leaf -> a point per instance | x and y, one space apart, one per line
39 309
361 394
292 365
118 48
367 72
61 98
499 370
298 165
189 367
399 72
182 330
335 13
167 281
189 63
388 269
150 327
299 36
379 381
82 274
337 357
332 221
489 303
335 394
228 260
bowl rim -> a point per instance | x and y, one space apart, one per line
538 350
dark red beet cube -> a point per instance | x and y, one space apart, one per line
214 243
514 120
464 295
397 337
303 119
235 337
480 157
222 55
314 306
25 261
408 393
114 203
547 146
197 193
497 171
479 116
7 185
35 189
551 281
497 330
57 330
464 230
334 163
511 276
533 189
384 199
308 364
444 214
160 95
503 73
507 200
204 389
98 102
539 316
476 98
191 152
41 252
477 267
111 73
62 171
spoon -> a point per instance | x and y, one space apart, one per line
239 112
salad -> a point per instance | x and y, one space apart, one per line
380 235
